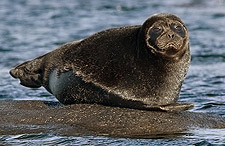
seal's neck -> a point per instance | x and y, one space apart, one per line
162 78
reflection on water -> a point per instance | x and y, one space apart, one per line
30 28
201 137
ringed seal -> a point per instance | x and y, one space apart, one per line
140 67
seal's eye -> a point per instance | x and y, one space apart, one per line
154 33
157 29
178 27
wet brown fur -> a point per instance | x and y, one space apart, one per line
118 63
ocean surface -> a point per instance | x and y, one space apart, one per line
29 28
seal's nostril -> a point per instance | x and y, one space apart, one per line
171 35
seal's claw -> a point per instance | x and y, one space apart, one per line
174 107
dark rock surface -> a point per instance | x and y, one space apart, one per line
19 117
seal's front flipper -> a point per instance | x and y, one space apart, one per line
30 73
174 107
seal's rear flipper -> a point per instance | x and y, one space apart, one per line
30 73
174 107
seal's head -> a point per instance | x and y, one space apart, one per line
165 35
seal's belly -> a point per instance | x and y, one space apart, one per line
69 89
59 83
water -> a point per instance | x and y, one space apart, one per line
29 28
